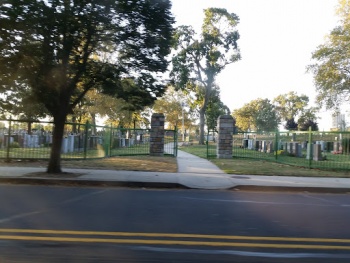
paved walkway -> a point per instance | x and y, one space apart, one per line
193 172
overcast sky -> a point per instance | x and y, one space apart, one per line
277 39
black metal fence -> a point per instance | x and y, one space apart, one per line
32 140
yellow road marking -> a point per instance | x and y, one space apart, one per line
67 237
171 235
170 242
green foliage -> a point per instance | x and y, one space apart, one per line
14 145
280 152
304 126
215 109
308 119
199 59
172 104
290 105
331 63
52 49
257 115
291 125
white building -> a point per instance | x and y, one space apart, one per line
338 121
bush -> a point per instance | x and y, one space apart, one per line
14 145
279 152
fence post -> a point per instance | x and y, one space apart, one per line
110 141
276 144
175 142
86 139
207 143
8 142
310 148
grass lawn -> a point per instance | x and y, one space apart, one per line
126 163
246 165
267 167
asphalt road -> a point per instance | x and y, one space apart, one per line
71 224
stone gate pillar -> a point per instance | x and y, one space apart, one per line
225 140
157 135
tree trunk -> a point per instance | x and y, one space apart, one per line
93 118
29 128
201 125
203 109
54 165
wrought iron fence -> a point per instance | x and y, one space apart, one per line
20 139
312 149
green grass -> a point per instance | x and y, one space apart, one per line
128 163
257 163
98 152
44 153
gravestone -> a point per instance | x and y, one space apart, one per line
298 151
250 144
64 145
322 143
263 146
295 148
280 145
336 146
257 143
245 143
285 147
290 147
329 146
70 143
309 151
317 152
304 145
270 147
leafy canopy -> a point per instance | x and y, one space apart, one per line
331 63
257 115
53 47
200 58
290 105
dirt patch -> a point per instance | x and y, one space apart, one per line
63 175
129 163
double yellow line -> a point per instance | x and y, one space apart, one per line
173 239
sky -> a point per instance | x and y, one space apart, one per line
277 38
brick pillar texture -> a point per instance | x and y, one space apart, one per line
225 140
157 135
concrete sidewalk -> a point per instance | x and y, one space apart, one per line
193 172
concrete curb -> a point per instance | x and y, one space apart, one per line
90 183
164 185
257 188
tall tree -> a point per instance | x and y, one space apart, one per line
215 108
257 115
304 126
200 59
308 119
331 67
173 105
291 125
289 106
52 46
